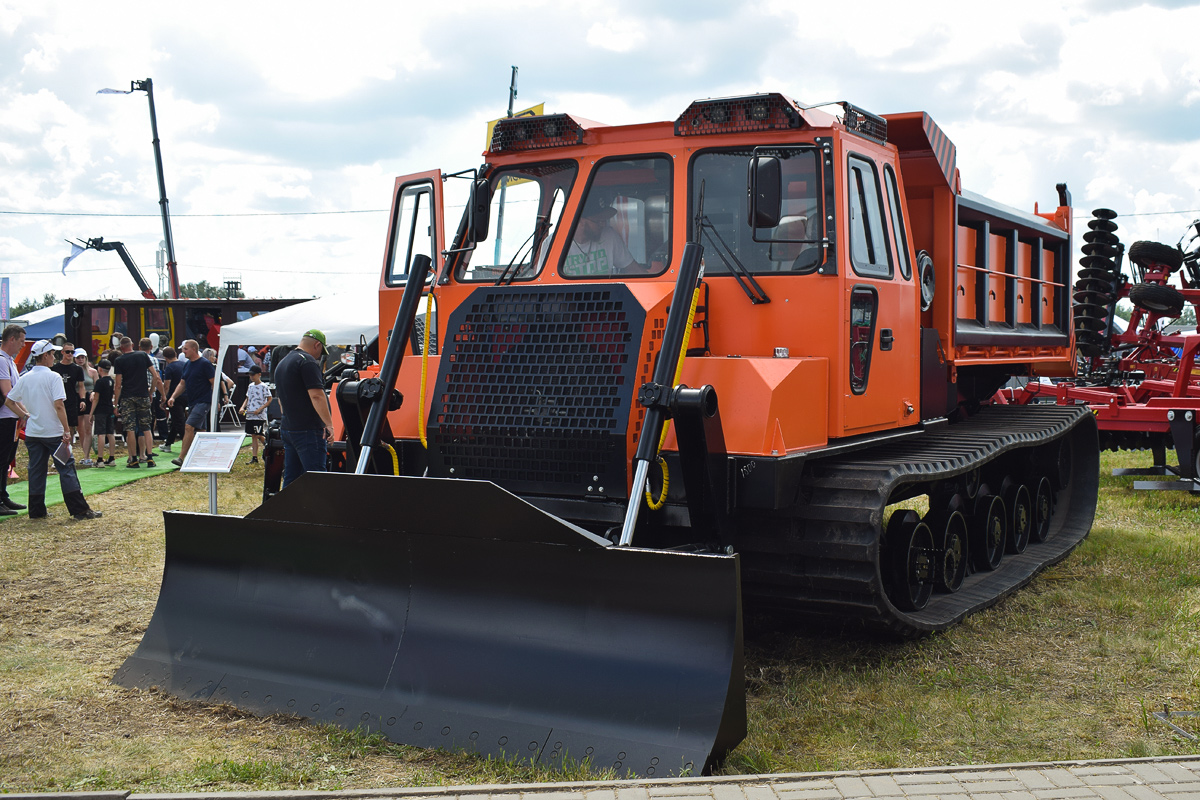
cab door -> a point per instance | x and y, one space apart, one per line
415 228
881 376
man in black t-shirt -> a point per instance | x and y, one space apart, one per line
72 378
172 374
132 396
307 423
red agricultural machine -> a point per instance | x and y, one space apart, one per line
681 367
1142 382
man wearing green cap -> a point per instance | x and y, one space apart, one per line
307 424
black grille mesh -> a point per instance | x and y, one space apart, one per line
535 133
535 388
738 114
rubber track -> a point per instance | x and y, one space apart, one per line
823 558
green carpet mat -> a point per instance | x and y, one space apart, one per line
95 480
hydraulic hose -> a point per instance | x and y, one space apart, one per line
674 337
414 287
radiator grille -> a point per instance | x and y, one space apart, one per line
535 389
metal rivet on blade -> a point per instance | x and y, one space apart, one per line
503 741
340 711
533 745
391 720
267 699
315 707
291 703
418 726
365 716
474 735
445 730
621 755
654 761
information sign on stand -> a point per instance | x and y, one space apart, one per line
213 453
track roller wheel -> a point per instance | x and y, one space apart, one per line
949 529
969 483
1019 503
989 528
910 562
1043 510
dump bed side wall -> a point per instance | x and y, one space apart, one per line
1011 280
1003 276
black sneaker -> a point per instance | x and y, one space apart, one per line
253 460
177 462
89 514
109 462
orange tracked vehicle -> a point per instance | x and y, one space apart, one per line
670 369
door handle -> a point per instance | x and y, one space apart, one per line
885 339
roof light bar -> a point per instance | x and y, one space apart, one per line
757 112
535 133
864 123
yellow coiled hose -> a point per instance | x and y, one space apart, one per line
651 503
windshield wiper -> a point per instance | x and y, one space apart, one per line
539 233
736 268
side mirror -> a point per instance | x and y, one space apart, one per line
766 191
481 198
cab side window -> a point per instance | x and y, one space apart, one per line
870 254
897 212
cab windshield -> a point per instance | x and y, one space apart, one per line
525 209
623 227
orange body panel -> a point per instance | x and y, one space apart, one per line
781 402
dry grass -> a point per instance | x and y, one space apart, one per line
1066 669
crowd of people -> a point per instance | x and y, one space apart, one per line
63 400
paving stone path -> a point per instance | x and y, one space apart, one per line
1175 778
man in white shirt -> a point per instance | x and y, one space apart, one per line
37 400
11 343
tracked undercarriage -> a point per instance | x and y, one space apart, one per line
830 556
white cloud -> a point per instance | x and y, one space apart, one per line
619 35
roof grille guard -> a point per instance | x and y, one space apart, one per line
535 133
757 112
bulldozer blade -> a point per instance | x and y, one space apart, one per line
453 614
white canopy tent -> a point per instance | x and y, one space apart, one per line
344 318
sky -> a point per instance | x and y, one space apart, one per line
283 126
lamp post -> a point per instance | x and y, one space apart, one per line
147 86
